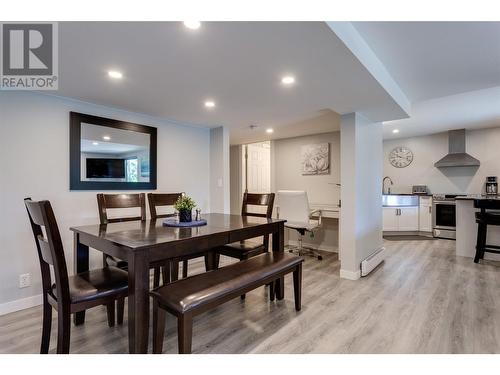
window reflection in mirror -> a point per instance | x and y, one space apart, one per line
114 155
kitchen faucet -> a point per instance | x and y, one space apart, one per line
383 185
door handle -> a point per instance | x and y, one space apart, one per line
430 209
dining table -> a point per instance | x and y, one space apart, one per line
142 243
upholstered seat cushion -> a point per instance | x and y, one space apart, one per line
98 283
203 289
302 225
242 249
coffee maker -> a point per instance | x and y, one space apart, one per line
491 185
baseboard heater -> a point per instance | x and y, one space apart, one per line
370 263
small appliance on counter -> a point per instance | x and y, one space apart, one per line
419 189
491 185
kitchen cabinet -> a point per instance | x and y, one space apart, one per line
399 219
425 214
408 219
389 219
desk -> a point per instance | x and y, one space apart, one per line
144 242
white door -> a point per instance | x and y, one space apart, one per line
408 218
259 167
389 219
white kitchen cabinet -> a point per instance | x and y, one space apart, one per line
399 219
425 214
389 219
408 219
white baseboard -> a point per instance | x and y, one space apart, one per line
20 304
350 275
330 249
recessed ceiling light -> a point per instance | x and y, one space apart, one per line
210 104
270 130
95 143
106 137
115 74
395 131
288 80
193 25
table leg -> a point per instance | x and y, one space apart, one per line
279 246
80 264
138 303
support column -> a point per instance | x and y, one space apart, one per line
361 194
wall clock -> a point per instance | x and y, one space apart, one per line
401 157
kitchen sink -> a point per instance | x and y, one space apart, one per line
399 200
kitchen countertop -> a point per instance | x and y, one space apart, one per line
472 197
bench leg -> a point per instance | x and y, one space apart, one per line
185 333
159 318
271 291
297 287
120 309
110 309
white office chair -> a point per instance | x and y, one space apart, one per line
293 206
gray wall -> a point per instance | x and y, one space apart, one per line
34 149
483 144
286 175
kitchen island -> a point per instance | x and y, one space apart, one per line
467 228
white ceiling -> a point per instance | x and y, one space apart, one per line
471 110
169 71
436 59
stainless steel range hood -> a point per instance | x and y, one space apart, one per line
457 157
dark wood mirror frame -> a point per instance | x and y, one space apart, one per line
76 119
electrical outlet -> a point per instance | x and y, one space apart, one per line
24 280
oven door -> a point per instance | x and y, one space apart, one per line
444 215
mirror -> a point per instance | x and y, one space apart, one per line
109 154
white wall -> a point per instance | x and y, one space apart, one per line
34 150
219 172
361 176
482 144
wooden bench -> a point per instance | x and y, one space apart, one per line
192 296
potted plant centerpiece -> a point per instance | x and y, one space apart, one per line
185 205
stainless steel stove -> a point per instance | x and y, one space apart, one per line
444 215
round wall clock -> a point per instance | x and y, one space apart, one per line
401 157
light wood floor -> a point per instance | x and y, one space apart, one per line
423 299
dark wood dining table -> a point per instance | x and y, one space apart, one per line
145 242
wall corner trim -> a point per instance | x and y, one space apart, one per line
20 304
350 275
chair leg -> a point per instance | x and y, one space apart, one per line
185 333
156 277
159 318
480 242
47 325
120 310
271 291
243 296
63 330
184 269
110 308
297 287
174 270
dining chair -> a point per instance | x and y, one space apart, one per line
107 202
171 272
68 294
246 249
